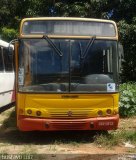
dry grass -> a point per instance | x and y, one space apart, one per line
14 141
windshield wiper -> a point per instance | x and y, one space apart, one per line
90 43
53 45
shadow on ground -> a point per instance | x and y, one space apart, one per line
10 134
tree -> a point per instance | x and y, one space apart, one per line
128 36
7 12
8 34
122 11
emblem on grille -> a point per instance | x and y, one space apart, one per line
69 113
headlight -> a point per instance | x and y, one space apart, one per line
100 113
108 111
38 113
29 111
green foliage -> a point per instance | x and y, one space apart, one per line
121 11
127 34
83 8
8 34
127 99
124 10
108 140
7 12
116 138
75 9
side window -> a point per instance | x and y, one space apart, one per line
8 59
107 60
1 60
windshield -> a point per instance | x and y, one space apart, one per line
78 69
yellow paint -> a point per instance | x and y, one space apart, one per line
54 106
57 106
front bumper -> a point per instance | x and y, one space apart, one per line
100 123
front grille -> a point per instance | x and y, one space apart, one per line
70 114
69 126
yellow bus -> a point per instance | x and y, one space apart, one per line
67 74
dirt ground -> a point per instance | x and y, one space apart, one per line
68 145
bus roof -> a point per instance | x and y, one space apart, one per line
85 27
68 18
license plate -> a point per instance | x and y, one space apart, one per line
105 123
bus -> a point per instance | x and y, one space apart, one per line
7 77
67 74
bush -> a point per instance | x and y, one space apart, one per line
8 34
127 104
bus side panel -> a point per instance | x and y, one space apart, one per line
6 88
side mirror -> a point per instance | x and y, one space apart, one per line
11 46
